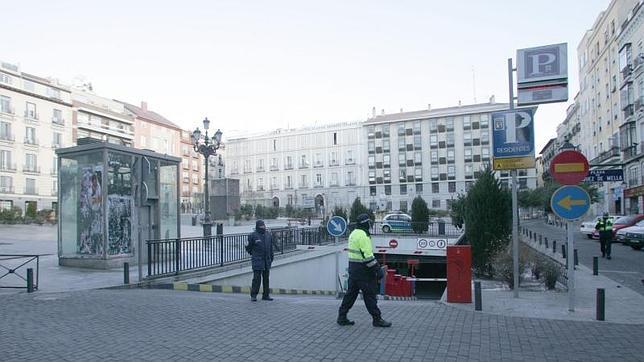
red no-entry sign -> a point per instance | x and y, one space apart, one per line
393 243
569 167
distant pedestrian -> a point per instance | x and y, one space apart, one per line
260 247
364 273
605 228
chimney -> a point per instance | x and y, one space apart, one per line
373 112
144 105
492 100
383 111
429 106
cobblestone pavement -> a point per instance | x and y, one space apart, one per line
169 325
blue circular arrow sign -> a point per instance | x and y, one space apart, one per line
570 202
336 226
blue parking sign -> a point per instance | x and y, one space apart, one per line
513 133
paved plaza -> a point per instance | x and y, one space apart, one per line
116 325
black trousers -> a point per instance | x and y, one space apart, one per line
369 291
605 246
260 276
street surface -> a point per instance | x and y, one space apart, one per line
626 266
152 325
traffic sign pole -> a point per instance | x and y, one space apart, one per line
515 209
571 269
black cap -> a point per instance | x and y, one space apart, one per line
362 218
259 223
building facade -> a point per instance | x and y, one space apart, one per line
101 118
436 154
599 97
316 168
631 131
548 152
35 119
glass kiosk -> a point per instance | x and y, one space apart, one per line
112 199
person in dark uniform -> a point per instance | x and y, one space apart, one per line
260 247
605 228
364 273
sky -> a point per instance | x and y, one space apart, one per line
252 66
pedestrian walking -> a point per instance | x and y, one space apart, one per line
260 247
605 228
364 273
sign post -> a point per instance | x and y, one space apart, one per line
336 227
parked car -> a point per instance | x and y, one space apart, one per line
588 227
632 236
622 222
396 223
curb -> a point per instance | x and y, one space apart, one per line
209 288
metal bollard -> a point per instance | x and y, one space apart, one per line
530 236
595 265
547 243
126 273
540 237
601 304
554 246
563 251
576 258
30 280
477 296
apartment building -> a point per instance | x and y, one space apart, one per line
154 132
631 130
599 96
191 174
313 167
433 153
548 152
35 119
101 118
570 129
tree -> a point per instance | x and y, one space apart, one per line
31 210
457 210
340 211
419 215
487 213
358 208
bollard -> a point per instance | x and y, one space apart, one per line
563 251
30 280
477 296
547 243
540 236
126 273
595 265
530 235
576 258
601 304
554 246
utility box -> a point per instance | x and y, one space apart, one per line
459 274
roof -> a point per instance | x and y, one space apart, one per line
543 150
149 115
438 112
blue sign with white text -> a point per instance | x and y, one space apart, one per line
513 133
570 202
336 226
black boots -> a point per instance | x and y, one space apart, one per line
379 322
344 321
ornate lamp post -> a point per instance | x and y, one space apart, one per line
206 146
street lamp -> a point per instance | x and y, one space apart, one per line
206 146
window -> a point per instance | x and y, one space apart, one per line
419 188
385 131
260 184
334 179
5 78
485 153
6 204
334 159
195 179
403 189
289 182
467 138
318 179
417 142
401 129
401 144
449 124
433 141
5 104
57 116
58 140
467 122
30 111
350 156
31 162
260 165
30 186
372 190
385 145
436 204
30 136
451 171
467 154
485 137
451 187
387 175
351 178
435 187
29 86
387 190
468 170
371 161
484 121
633 176
432 125
274 164
371 146
402 175
289 162
401 159
303 161
274 145
434 173
386 160
303 181
371 132
417 127
5 131
450 156
418 158
6 184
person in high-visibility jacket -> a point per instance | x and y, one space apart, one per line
364 273
605 228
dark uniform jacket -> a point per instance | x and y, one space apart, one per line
260 246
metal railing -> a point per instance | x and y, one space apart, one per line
415 228
13 265
175 256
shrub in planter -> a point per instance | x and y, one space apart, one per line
538 265
551 274
503 266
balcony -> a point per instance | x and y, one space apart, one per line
318 164
57 121
288 187
628 111
626 73
639 60
274 187
350 161
33 116
6 190
7 138
334 163
304 165
260 188
274 168
8 110
260 169
288 166
56 145
186 180
303 185
31 191
31 169
613 152
8 167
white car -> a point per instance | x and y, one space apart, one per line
587 227
631 232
